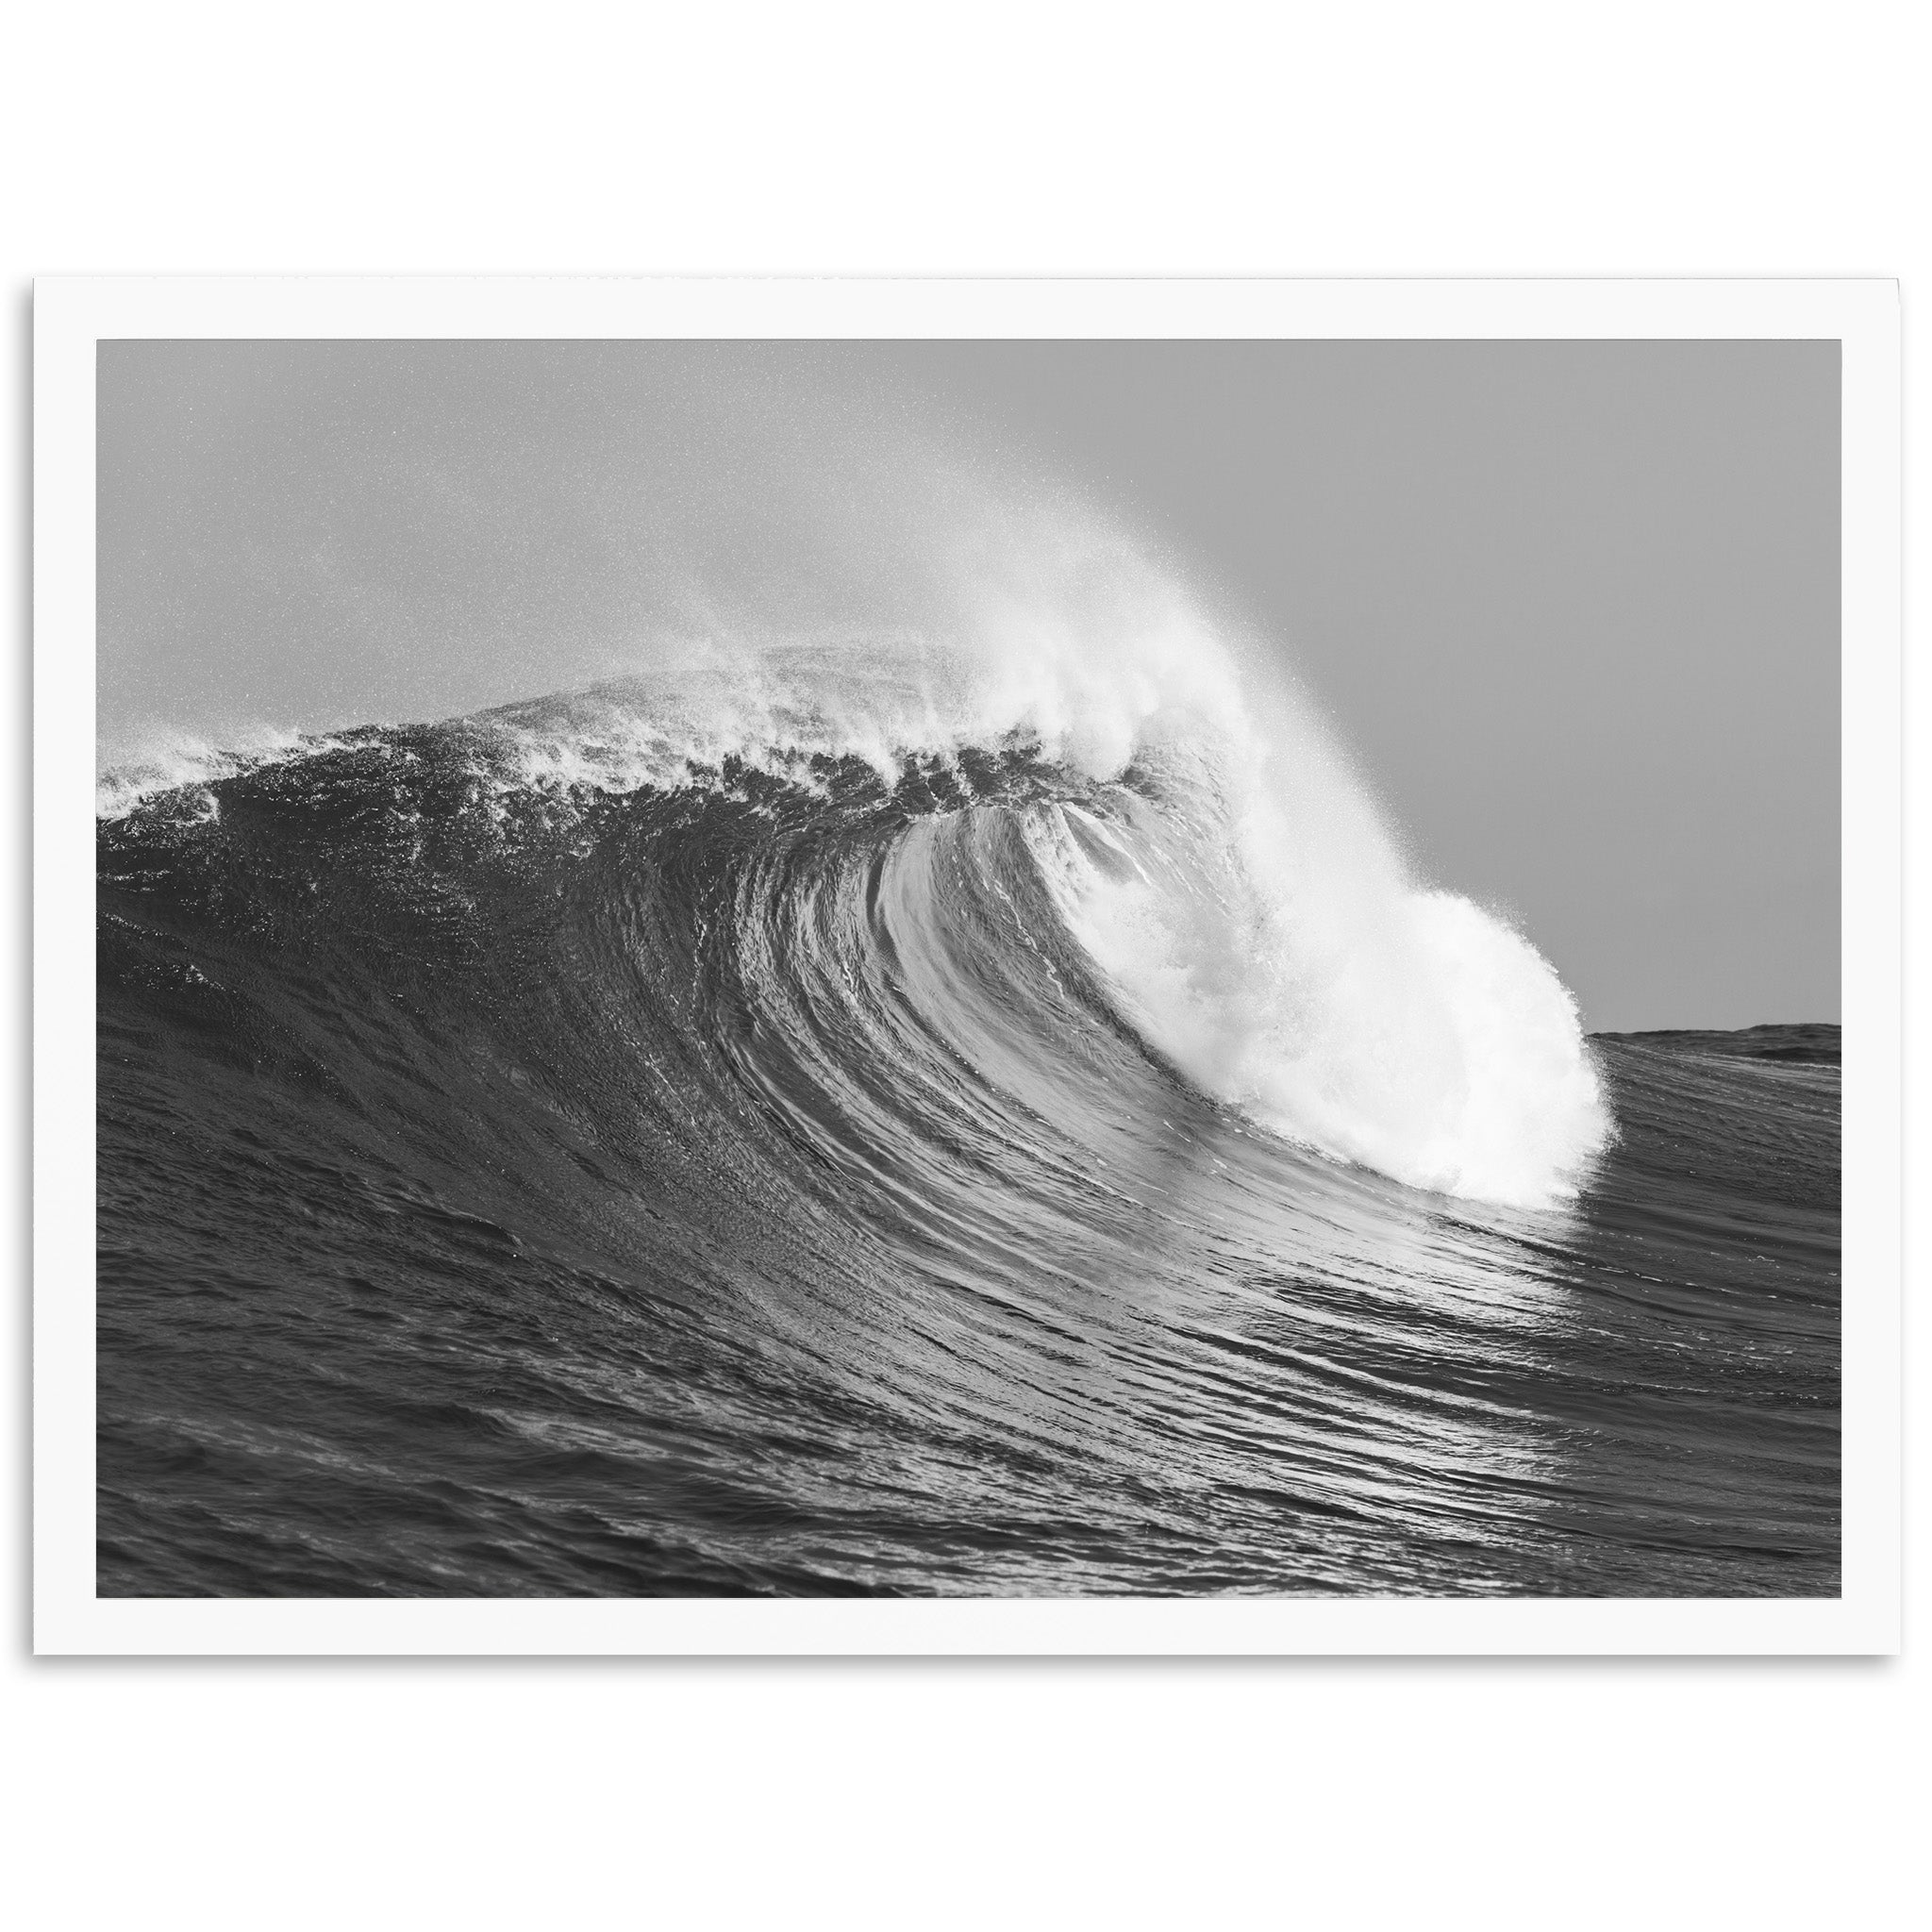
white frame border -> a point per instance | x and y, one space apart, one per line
73 314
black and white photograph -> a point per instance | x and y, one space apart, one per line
968 968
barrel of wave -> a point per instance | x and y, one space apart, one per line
1331 998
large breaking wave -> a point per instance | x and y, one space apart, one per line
1190 844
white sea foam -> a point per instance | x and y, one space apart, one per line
1364 1016
161 761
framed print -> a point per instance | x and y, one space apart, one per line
966 966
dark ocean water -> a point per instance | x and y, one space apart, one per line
753 1187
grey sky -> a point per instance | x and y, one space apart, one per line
1575 606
